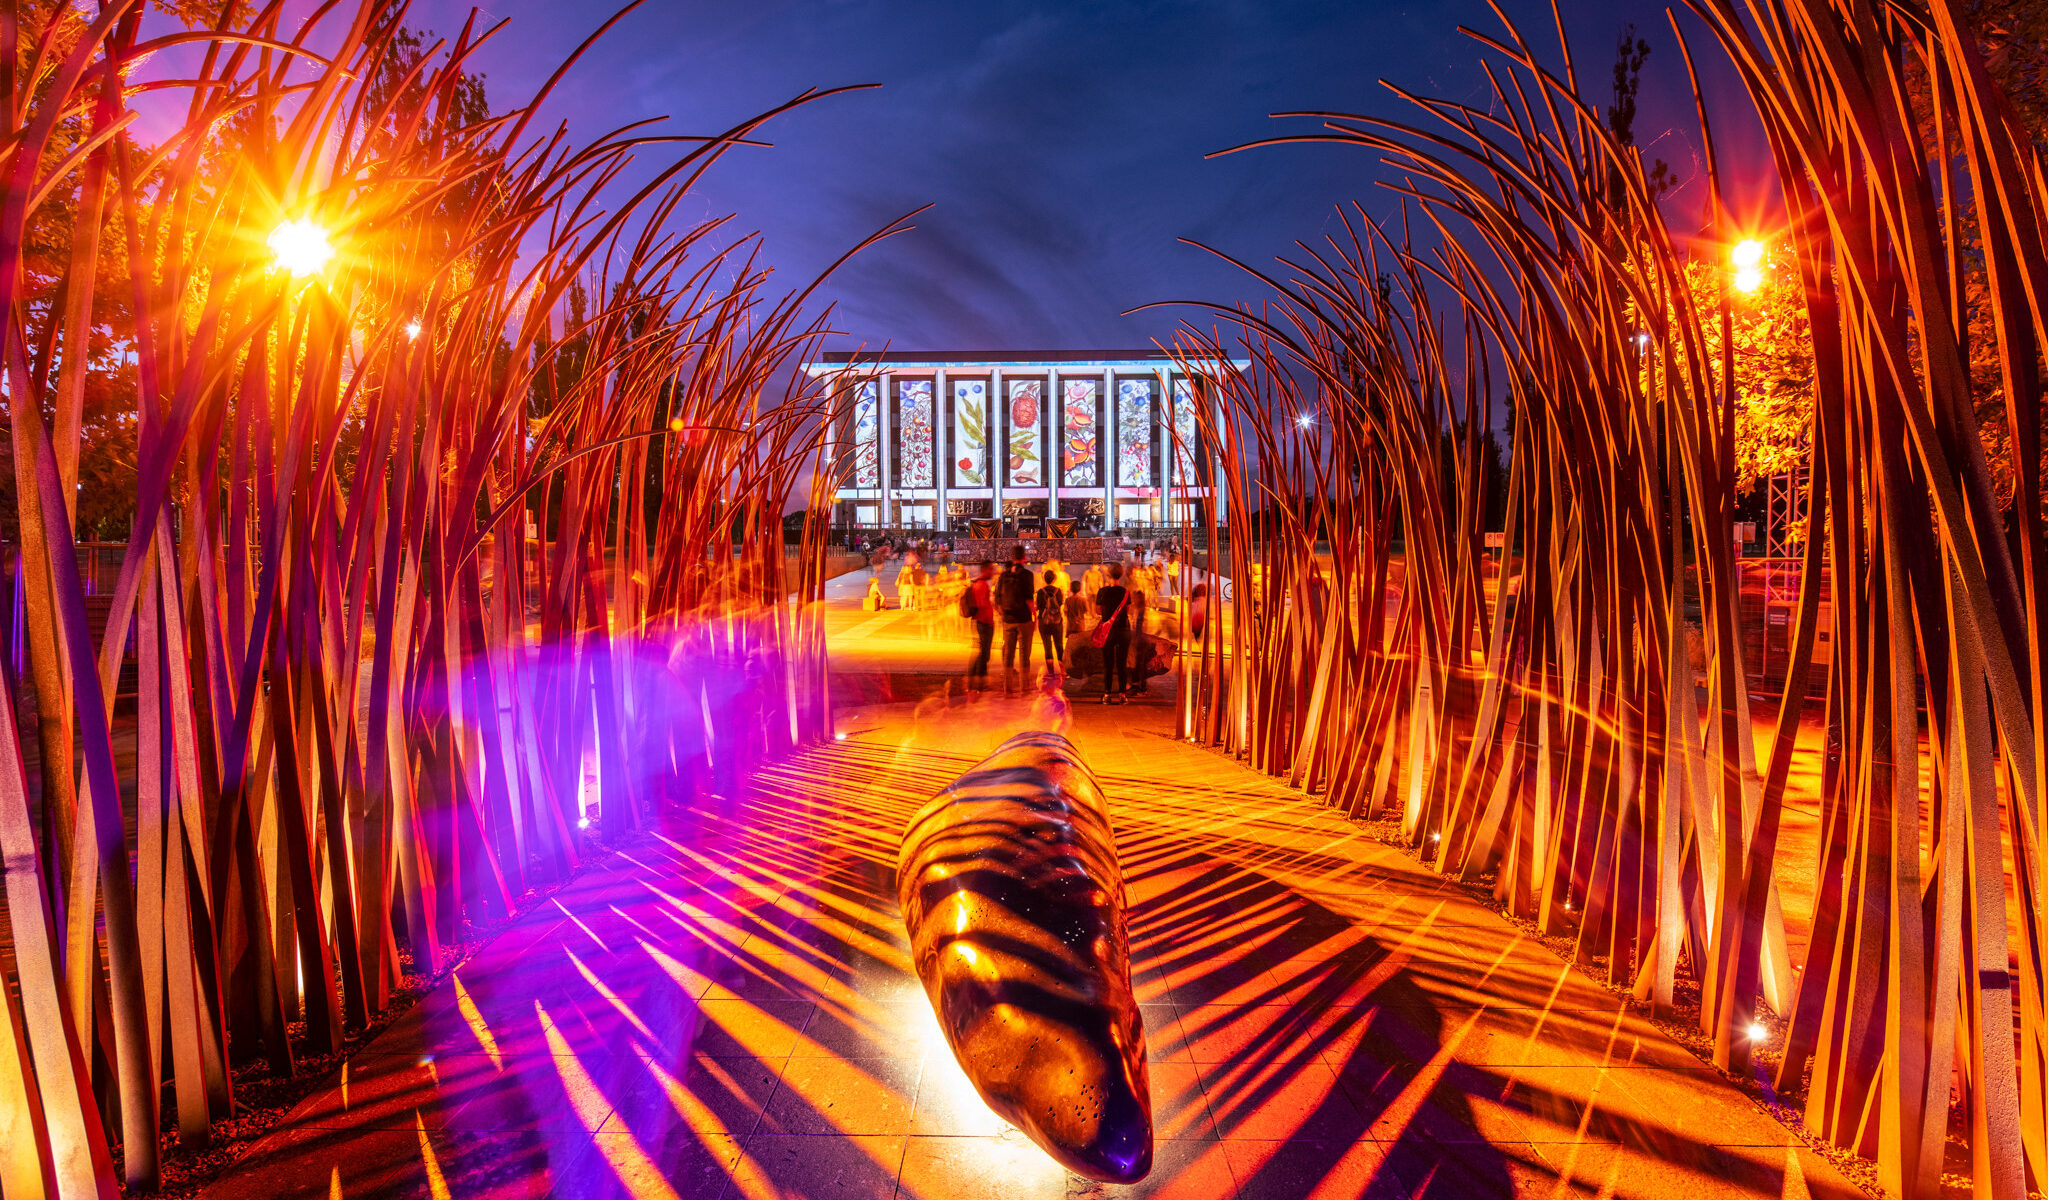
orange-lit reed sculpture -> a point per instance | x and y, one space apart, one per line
460 482
1015 906
1569 716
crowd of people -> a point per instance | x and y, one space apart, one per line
1106 628
1113 624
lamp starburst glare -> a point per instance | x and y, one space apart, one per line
1748 257
300 247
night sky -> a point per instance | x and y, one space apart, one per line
1062 145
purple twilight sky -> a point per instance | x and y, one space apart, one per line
1061 145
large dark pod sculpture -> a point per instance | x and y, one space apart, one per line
1015 907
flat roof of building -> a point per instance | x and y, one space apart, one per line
837 359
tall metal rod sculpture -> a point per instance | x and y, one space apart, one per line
1573 720
1015 906
486 386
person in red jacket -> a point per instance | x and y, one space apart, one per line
981 598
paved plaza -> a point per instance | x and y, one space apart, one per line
726 1009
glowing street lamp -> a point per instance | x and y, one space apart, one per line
300 247
1748 257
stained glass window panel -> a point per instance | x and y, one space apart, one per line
1080 439
1134 432
1186 438
970 433
1027 433
914 434
867 434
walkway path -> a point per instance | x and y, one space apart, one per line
729 1011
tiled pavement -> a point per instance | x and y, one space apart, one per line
728 1012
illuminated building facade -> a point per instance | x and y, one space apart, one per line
1108 440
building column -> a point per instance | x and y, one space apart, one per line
1055 416
834 398
1216 481
1106 451
1162 443
885 458
998 449
942 460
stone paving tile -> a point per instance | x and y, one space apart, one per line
726 1008
1504 1170
1002 1166
1180 1104
1165 1042
1278 1099
832 1095
752 1028
872 1029
1697 1172
676 1162
1296 1167
704 1097
556 1094
819 1168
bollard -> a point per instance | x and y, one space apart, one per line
1015 907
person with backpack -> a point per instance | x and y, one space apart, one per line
1013 606
1113 635
977 604
1050 606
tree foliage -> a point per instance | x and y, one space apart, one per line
1773 359
105 484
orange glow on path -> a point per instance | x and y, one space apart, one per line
726 1008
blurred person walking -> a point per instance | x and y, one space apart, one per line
1077 625
1013 593
977 604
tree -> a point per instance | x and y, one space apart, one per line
1772 355
1630 53
2012 36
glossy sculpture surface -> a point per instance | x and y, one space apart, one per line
1015 907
